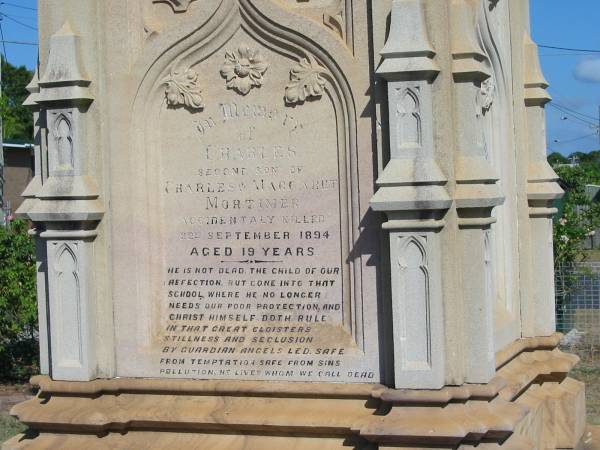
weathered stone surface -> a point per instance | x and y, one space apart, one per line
314 219
126 413
223 172
253 266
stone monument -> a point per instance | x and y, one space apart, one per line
294 224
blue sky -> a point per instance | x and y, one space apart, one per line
574 77
22 11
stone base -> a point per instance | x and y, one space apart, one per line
530 404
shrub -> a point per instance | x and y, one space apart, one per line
18 305
579 216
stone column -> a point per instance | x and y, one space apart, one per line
413 196
35 185
29 200
66 210
476 190
542 190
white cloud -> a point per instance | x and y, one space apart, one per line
588 71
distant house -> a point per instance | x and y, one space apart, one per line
16 171
574 162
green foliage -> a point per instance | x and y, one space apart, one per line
577 220
556 158
18 305
9 427
579 216
17 119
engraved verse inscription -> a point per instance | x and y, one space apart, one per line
253 277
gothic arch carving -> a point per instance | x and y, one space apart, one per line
62 131
68 284
414 279
409 117
274 28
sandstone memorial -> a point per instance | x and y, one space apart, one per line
294 224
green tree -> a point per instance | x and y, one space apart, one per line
556 158
18 306
577 220
579 215
17 119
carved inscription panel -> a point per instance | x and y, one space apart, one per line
256 282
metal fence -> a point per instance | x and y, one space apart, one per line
578 307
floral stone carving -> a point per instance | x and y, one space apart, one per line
183 89
487 94
306 81
244 69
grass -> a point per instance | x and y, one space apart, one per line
589 373
9 427
592 255
11 394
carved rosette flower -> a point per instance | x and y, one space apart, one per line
183 89
306 81
244 69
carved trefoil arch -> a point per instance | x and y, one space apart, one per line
413 279
417 308
409 121
70 310
63 145
66 268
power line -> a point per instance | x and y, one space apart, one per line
559 142
563 54
3 44
583 120
574 116
18 21
580 121
17 16
574 111
18 6
34 44
584 50
19 42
